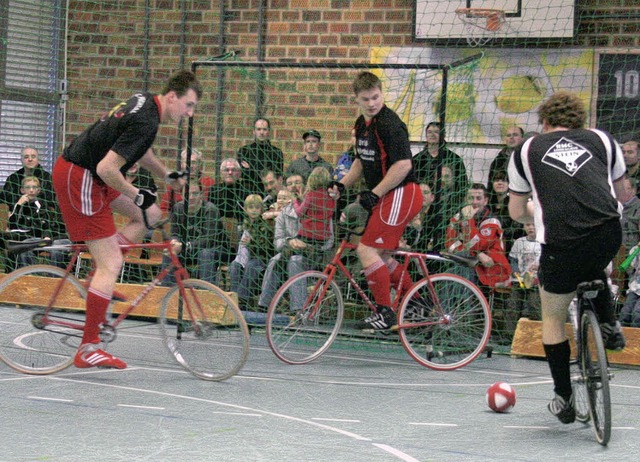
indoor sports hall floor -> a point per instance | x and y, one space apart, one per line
376 405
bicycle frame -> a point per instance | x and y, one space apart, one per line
407 256
180 274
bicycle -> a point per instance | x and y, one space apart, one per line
444 320
42 320
592 399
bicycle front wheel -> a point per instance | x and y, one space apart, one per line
595 370
42 319
444 322
304 317
579 388
204 330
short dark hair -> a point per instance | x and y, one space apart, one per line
563 109
366 81
181 82
262 118
480 186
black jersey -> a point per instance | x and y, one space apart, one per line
570 174
380 143
129 129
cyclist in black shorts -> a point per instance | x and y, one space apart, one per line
568 180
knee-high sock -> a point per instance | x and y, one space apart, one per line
97 304
379 282
558 356
395 273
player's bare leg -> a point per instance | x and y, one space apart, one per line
135 229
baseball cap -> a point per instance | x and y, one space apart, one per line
311 132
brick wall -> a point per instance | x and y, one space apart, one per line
107 46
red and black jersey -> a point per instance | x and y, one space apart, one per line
380 143
129 129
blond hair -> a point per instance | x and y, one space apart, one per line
253 199
318 178
30 178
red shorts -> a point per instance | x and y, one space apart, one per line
84 202
391 215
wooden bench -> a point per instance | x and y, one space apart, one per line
38 290
527 341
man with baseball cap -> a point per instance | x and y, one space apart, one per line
311 159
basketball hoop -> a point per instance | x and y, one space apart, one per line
480 24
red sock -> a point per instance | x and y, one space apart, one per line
379 283
97 304
395 272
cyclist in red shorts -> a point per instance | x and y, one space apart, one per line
89 181
383 157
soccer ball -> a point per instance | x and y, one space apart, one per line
501 397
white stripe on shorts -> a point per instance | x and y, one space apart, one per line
85 193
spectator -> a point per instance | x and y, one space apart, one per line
255 250
316 210
286 244
228 196
11 191
512 139
198 236
475 231
170 197
272 183
630 212
258 156
30 219
630 314
284 198
499 204
445 171
428 163
631 159
524 258
311 159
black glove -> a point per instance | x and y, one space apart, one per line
341 187
145 198
368 200
176 175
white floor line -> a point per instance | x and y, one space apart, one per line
43 398
399 454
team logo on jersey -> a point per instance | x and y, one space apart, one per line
567 156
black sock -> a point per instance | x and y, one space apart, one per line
558 356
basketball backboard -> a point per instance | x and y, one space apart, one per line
552 19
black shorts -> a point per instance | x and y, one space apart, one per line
561 270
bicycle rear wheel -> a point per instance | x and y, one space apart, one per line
444 322
39 311
204 330
595 370
299 334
